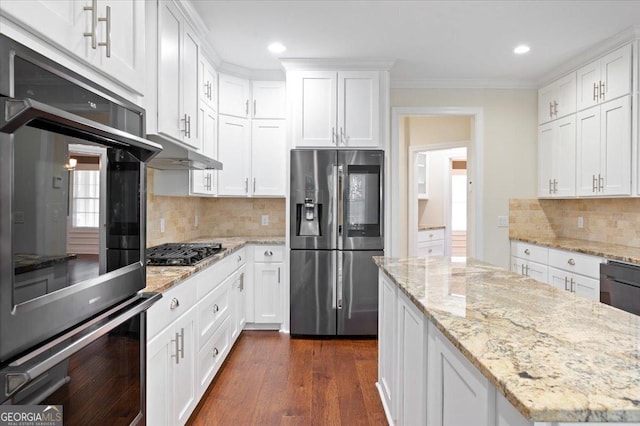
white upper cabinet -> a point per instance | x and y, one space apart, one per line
605 79
268 158
339 109
233 93
557 99
234 144
106 34
208 79
604 149
557 158
269 100
177 85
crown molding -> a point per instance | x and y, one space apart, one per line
461 84
592 53
292 64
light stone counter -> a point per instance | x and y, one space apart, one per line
430 227
555 356
162 278
594 248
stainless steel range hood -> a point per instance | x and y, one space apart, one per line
174 157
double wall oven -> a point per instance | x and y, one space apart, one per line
72 166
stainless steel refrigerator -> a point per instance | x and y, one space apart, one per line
336 228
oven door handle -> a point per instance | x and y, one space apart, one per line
16 113
19 373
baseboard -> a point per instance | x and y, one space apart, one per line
257 326
387 410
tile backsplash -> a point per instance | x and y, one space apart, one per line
608 220
218 217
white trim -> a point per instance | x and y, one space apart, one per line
397 83
385 407
475 158
332 64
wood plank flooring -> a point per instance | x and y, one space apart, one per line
273 379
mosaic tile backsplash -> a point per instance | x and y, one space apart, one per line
607 220
222 217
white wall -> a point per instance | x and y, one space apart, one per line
510 154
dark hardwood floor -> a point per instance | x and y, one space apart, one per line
273 379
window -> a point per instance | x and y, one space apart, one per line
85 198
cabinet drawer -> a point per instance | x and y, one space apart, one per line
212 355
174 303
431 235
578 263
212 276
431 248
212 310
530 252
272 253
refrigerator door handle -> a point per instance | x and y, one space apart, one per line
334 279
340 203
339 278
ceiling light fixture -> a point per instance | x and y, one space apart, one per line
522 49
277 47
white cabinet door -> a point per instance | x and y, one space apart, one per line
412 362
314 110
564 157
557 99
268 158
208 125
588 150
171 356
238 293
581 285
269 100
169 89
387 344
546 96
234 140
546 136
358 108
605 79
422 174
233 93
189 81
604 149
615 147
212 354
267 280
123 56
208 79
458 393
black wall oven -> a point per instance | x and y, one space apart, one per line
72 160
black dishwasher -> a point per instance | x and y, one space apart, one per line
620 286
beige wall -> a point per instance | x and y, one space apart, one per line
509 166
217 217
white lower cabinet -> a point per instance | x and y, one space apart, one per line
268 278
387 352
171 373
459 394
239 301
190 333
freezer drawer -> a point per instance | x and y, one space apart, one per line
313 301
357 291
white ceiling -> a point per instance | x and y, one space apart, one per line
438 43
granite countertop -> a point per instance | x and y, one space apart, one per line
162 278
429 227
607 250
556 356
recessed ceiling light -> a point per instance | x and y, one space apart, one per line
522 49
277 47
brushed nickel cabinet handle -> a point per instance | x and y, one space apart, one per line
254 107
174 304
177 343
600 183
602 90
595 91
107 43
555 109
550 110
565 283
94 23
268 253
594 186
246 108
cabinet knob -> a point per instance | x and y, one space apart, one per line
215 352
268 253
174 304
215 309
571 262
527 252
239 258
430 235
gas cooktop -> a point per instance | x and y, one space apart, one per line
181 254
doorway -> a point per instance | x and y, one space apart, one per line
403 205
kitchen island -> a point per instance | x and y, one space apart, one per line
484 346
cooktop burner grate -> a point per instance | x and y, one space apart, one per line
181 254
